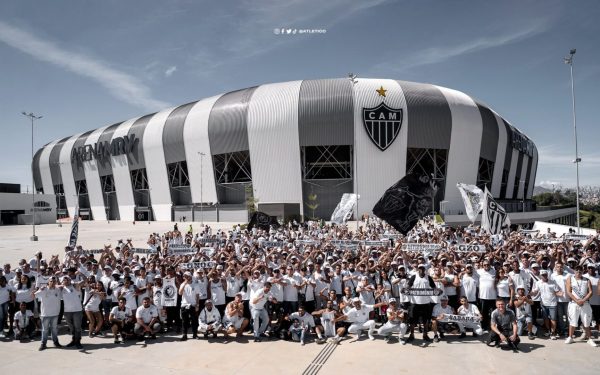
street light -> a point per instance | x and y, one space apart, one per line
352 78
32 117
523 199
569 61
202 155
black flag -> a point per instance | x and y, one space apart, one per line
409 200
262 221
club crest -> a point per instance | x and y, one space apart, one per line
383 124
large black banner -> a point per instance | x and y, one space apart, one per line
407 201
262 221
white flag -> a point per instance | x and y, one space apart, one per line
472 198
343 211
493 218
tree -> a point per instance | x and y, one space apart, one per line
251 201
312 204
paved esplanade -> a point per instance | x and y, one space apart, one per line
168 355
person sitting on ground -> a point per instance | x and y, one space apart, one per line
147 322
210 320
503 326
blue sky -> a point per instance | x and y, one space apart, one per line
86 64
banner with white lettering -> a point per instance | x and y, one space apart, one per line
169 292
343 211
422 291
545 241
451 318
472 198
86 252
391 236
181 250
139 250
494 217
576 237
272 243
470 248
423 247
198 265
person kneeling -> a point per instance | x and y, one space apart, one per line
503 326
209 321
121 321
395 322
147 321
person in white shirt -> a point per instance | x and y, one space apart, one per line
548 292
210 320
260 315
487 292
121 320
358 316
470 310
595 300
147 321
439 323
190 305
93 296
7 293
24 326
305 323
468 284
73 309
523 304
396 318
291 285
49 297
560 276
580 291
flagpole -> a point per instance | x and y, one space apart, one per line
352 78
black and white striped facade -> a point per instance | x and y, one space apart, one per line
277 125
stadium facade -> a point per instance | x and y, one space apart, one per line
292 147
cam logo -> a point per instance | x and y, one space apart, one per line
382 123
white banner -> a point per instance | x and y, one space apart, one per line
181 250
306 242
343 211
470 248
494 217
139 250
169 293
473 199
576 237
451 318
272 243
198 265
391 236
546 241
86 252
421 247
529 231
375 243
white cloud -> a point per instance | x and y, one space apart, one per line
435 55
121 85
169 72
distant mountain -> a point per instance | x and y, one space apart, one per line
540 189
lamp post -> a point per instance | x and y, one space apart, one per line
202 155
352 79
32 117
569 61
523 199
148 213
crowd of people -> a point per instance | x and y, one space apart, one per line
312 282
